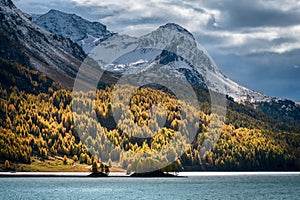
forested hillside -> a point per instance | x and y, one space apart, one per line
37 121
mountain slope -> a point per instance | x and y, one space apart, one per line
85 33
31 45
36 126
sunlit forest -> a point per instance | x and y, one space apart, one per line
37 120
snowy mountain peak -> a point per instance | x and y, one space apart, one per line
176 27
85 33
173 48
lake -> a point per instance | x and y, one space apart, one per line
196 186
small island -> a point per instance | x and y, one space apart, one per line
104 170
156 173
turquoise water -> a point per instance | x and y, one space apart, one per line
200 187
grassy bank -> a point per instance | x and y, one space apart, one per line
51 164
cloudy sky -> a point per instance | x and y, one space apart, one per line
256 43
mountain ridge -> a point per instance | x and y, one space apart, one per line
85 33
35 47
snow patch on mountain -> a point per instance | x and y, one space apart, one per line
113 48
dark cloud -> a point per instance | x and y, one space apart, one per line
240 16
244 13
283 40
273 74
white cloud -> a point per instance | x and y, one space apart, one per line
253 40
160 11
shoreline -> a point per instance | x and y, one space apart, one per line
124 175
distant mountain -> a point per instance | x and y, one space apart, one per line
91 34
85 33
281 109
28 44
